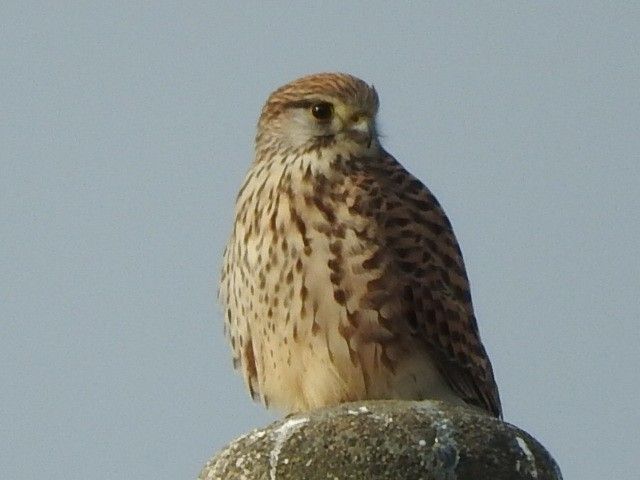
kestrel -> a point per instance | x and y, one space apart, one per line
342 279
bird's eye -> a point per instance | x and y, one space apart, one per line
322 110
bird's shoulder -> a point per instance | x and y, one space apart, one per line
424 265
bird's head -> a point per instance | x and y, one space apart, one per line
316 112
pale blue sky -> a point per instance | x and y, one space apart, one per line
126 129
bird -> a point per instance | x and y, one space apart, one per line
342 279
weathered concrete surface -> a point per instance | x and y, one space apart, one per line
385 440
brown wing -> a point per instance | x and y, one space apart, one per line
435 290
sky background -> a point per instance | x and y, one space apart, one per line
126 129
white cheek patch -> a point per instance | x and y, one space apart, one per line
301 127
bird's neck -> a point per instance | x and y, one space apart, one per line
313 160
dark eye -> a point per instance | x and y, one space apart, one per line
322 110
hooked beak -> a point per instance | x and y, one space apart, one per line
358 127
361 132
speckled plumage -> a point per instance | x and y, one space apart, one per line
342 279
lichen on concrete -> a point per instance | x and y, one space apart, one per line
385 440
